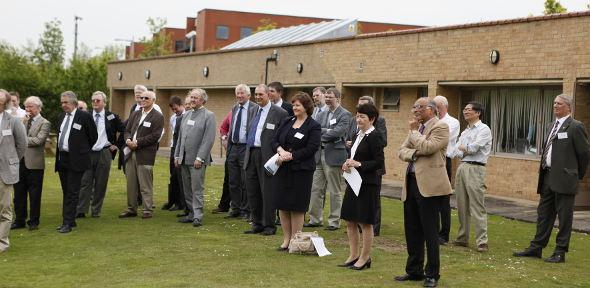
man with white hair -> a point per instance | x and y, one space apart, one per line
32 167
137 92
95 179
14 143
442 105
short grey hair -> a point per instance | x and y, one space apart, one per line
368 98
200 92
71 96
244 88
35 101
139 88
100 93
150 94
263 86
441 99
569 100
7 100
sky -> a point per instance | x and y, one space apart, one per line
22 22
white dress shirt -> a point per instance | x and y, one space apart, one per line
67 135
454 129
478 141
143 115
260 126
560 120
102 140
243 125
359 138
18 112
280 102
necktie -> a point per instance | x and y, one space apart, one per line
236 133
63 134
411 165
96 119
253 128
549 142
29 123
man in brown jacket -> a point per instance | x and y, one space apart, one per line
142 136
424 190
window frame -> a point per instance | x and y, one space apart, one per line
218 31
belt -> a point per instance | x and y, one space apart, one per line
475 163
255 148
239 144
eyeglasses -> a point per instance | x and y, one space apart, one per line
96 100
144 98
420 107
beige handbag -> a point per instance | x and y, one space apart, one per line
301 243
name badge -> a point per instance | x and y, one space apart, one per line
77 126
299 135
147 124
190 122
6 132
110 117
562 135
270 126
333 121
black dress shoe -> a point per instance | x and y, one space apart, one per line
408 277
557 257
174 208
80 215
332 228
185 220
366 265
197 223
442 241
282 249
312 225
232 215
127 214
17 226
528 253
182 214
430 282
219 210
166 206
65 229
348 264
33 227
268 232
253 231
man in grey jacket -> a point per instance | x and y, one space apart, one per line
195 141
329 159
13 143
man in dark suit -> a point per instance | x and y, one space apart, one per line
142 136
175 192
244 111
564 161
381 128
95 179
76 136
32 167
258 150
275 94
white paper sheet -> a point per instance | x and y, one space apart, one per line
126 150
318 243
271 165
354 180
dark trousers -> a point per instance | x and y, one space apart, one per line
421 223
445 208
237 190
175 192
377 225
30 184
552 205
70 185
259 192
225 199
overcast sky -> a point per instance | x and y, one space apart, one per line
106 20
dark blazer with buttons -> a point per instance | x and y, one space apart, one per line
252 109
80 141
275 117
113 126
288 107
147 137
304 149
370 154
569 158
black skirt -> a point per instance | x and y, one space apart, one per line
292 189
362 208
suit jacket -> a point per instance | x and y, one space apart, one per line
35 153
13 143
252 109
303 150
80 141
334 136
176 132
431 172
276 115
380 128
569 158
288 107
370 154
147 137
114 126
196 140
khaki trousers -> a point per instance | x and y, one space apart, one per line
470 191
326 179
5 214
140 179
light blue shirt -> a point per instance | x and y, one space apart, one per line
244 125
260 126
478 141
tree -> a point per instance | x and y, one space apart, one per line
160 43
553 7
51 48
266 24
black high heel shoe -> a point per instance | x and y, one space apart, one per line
348 264
366 265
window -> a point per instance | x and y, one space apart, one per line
222 32
422 92
391 99
245 32
517 116
179 45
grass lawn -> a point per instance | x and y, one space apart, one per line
159 252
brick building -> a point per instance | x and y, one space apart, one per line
539 58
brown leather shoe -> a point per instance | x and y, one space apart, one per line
146 215
483 247
461 244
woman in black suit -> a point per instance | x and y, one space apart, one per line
296 142
367 158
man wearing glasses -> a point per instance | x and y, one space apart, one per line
95 179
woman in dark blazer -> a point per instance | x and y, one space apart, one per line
367 158
296 142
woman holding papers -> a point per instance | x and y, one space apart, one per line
296 143
358 209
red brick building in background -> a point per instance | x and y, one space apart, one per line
218 28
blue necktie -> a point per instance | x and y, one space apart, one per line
253 128
236 134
